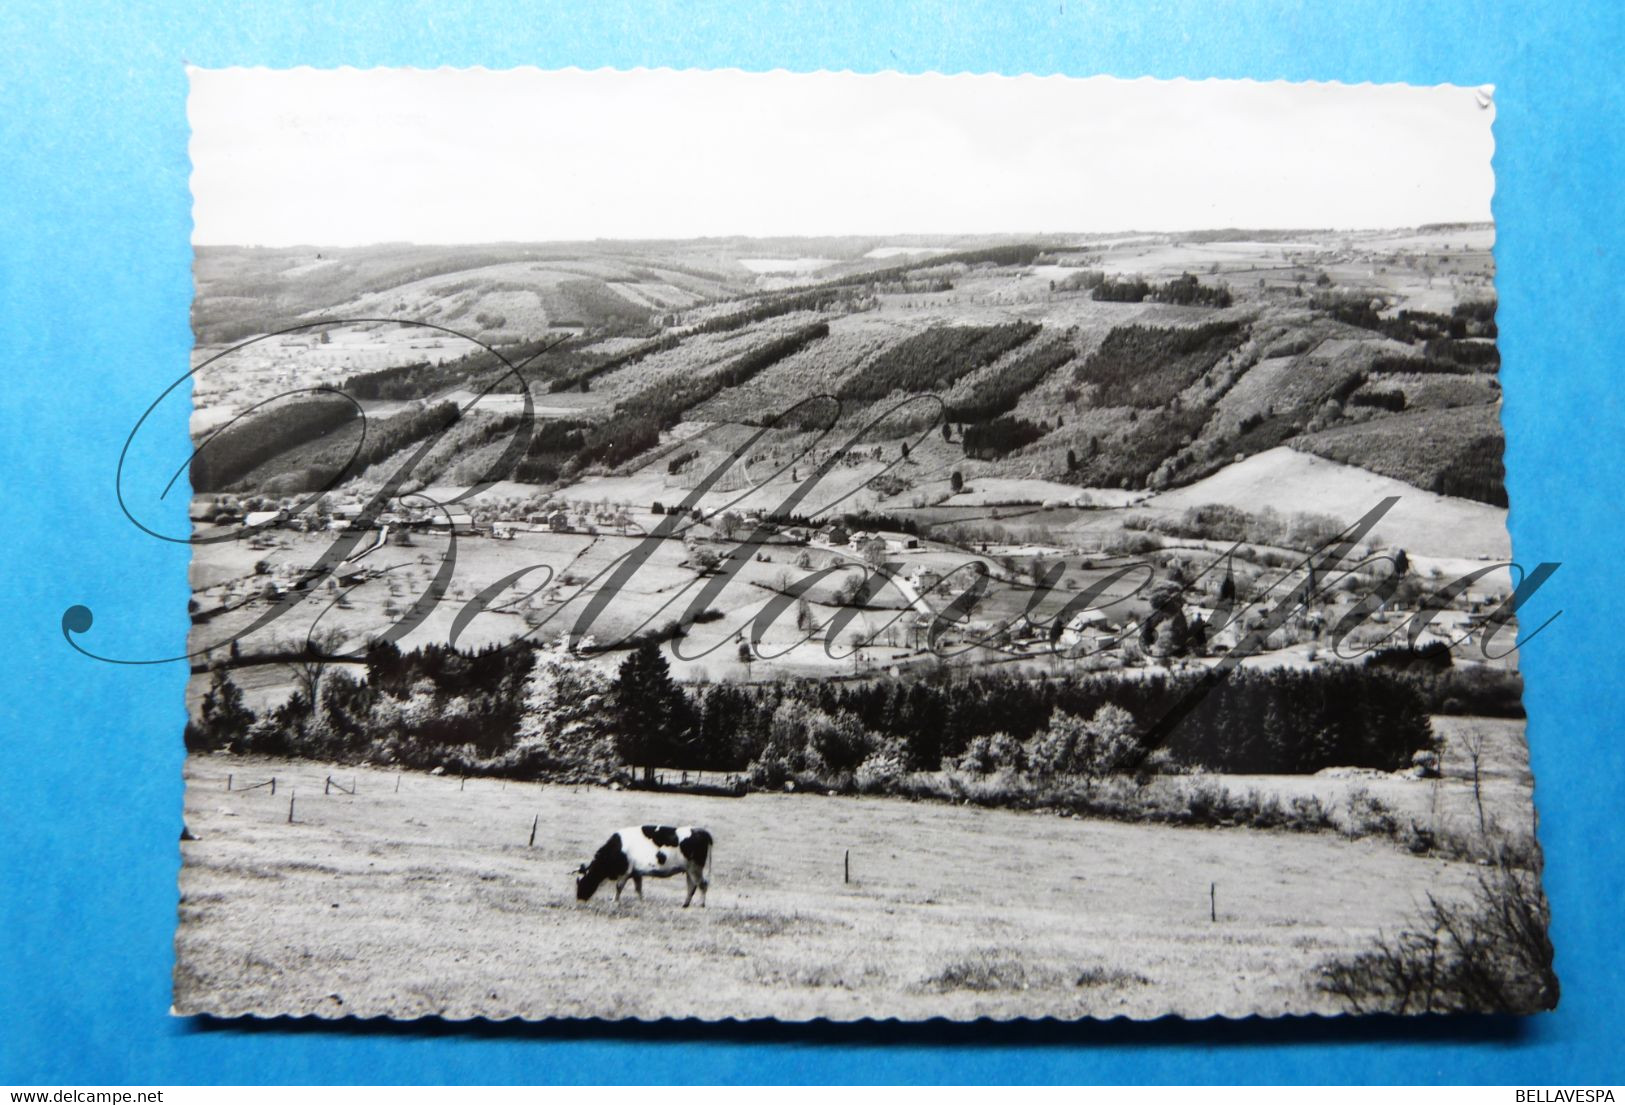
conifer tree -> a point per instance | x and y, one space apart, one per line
652 711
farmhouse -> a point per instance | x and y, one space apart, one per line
923 578
868 544
1090 629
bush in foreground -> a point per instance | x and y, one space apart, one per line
1492 954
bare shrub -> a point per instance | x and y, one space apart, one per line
982 973
1490 955
1370 815
1111 976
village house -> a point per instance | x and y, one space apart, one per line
923 579
1089 631
348 574
868 544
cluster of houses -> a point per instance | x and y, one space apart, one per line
404 517
558 520
836 535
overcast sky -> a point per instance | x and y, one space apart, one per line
350 157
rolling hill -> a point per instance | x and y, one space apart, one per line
1289 481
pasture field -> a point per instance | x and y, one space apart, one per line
427 900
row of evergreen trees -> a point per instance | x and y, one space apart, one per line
235 451
533 712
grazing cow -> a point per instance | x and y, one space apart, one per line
658 851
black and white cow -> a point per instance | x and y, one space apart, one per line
659 851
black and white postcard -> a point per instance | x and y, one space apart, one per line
727 545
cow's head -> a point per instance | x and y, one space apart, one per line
609 863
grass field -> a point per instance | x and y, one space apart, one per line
428 901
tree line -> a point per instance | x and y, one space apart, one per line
527 711
1183 291
1148 366
1465 320
665 401
999 393
819 299
991 440
244 445
933 359
1002 256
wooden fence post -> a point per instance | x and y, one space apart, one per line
397 782
327 787
290 809
228 780
1213 901
533 823
846 873
273 786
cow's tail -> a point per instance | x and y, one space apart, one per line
710 854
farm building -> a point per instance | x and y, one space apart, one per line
1088 629
351 573
456 522
261 518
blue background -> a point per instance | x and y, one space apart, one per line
94 245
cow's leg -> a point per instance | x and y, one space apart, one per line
637 883
620 885
692 883
705 885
